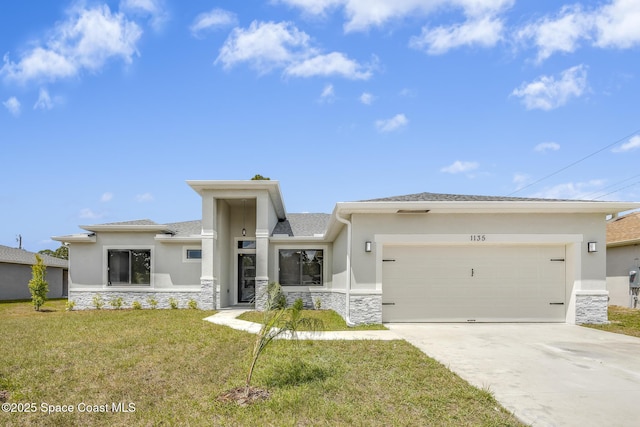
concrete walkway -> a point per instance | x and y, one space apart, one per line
227 317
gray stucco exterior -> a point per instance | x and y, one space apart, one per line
15 273
245 229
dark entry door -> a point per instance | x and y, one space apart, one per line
246 277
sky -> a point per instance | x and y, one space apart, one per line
108 107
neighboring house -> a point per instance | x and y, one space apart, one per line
15 273
415 258
623 256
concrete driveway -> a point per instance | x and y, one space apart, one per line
546 374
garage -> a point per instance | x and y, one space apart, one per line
479 283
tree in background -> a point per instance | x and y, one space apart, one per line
38 286
62 252
259 177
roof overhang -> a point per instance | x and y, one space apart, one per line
630 242
227 189
76 238
169 238
346 209
127 228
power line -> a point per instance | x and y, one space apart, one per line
575 163
619 189
609 186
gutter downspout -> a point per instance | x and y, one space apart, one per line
348 304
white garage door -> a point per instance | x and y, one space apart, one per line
473 284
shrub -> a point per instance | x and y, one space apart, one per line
173 303
276 299
136 305
193 304
98 302
69 305
116 303
152 302
38 286
317 304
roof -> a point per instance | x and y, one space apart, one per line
440 197
186 228
303 224
21 256
624 230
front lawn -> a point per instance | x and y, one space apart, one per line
167 367
623 321
330 319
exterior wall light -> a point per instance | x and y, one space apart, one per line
592 247
367 246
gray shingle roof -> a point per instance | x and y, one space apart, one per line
303 224
186 228
437 197
21 256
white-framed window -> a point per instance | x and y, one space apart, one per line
128 266
191 254
301 267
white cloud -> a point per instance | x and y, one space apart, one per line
632 144
366 98
214 19
86 40
396 122
145 197
106 197
334 63
269 45
460 166
549 92
13 105
570 190
89 214
44 101
612 25
560 33
265 45
547 146
618 24
152 8
484 32
328 93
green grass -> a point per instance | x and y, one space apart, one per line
172 366
623 321
330 319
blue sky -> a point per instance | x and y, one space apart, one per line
107 107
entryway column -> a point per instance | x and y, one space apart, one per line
210 289
262 250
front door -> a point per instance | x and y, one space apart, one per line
246 277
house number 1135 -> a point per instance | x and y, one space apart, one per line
478 237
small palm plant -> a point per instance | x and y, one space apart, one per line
277 321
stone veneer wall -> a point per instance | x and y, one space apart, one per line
204 297
366 309
84 299
261 294
591 309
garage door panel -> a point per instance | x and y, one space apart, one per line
461 283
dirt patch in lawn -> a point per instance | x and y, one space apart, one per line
244 396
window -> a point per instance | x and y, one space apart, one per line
129 266
194 253
300 267
246 244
